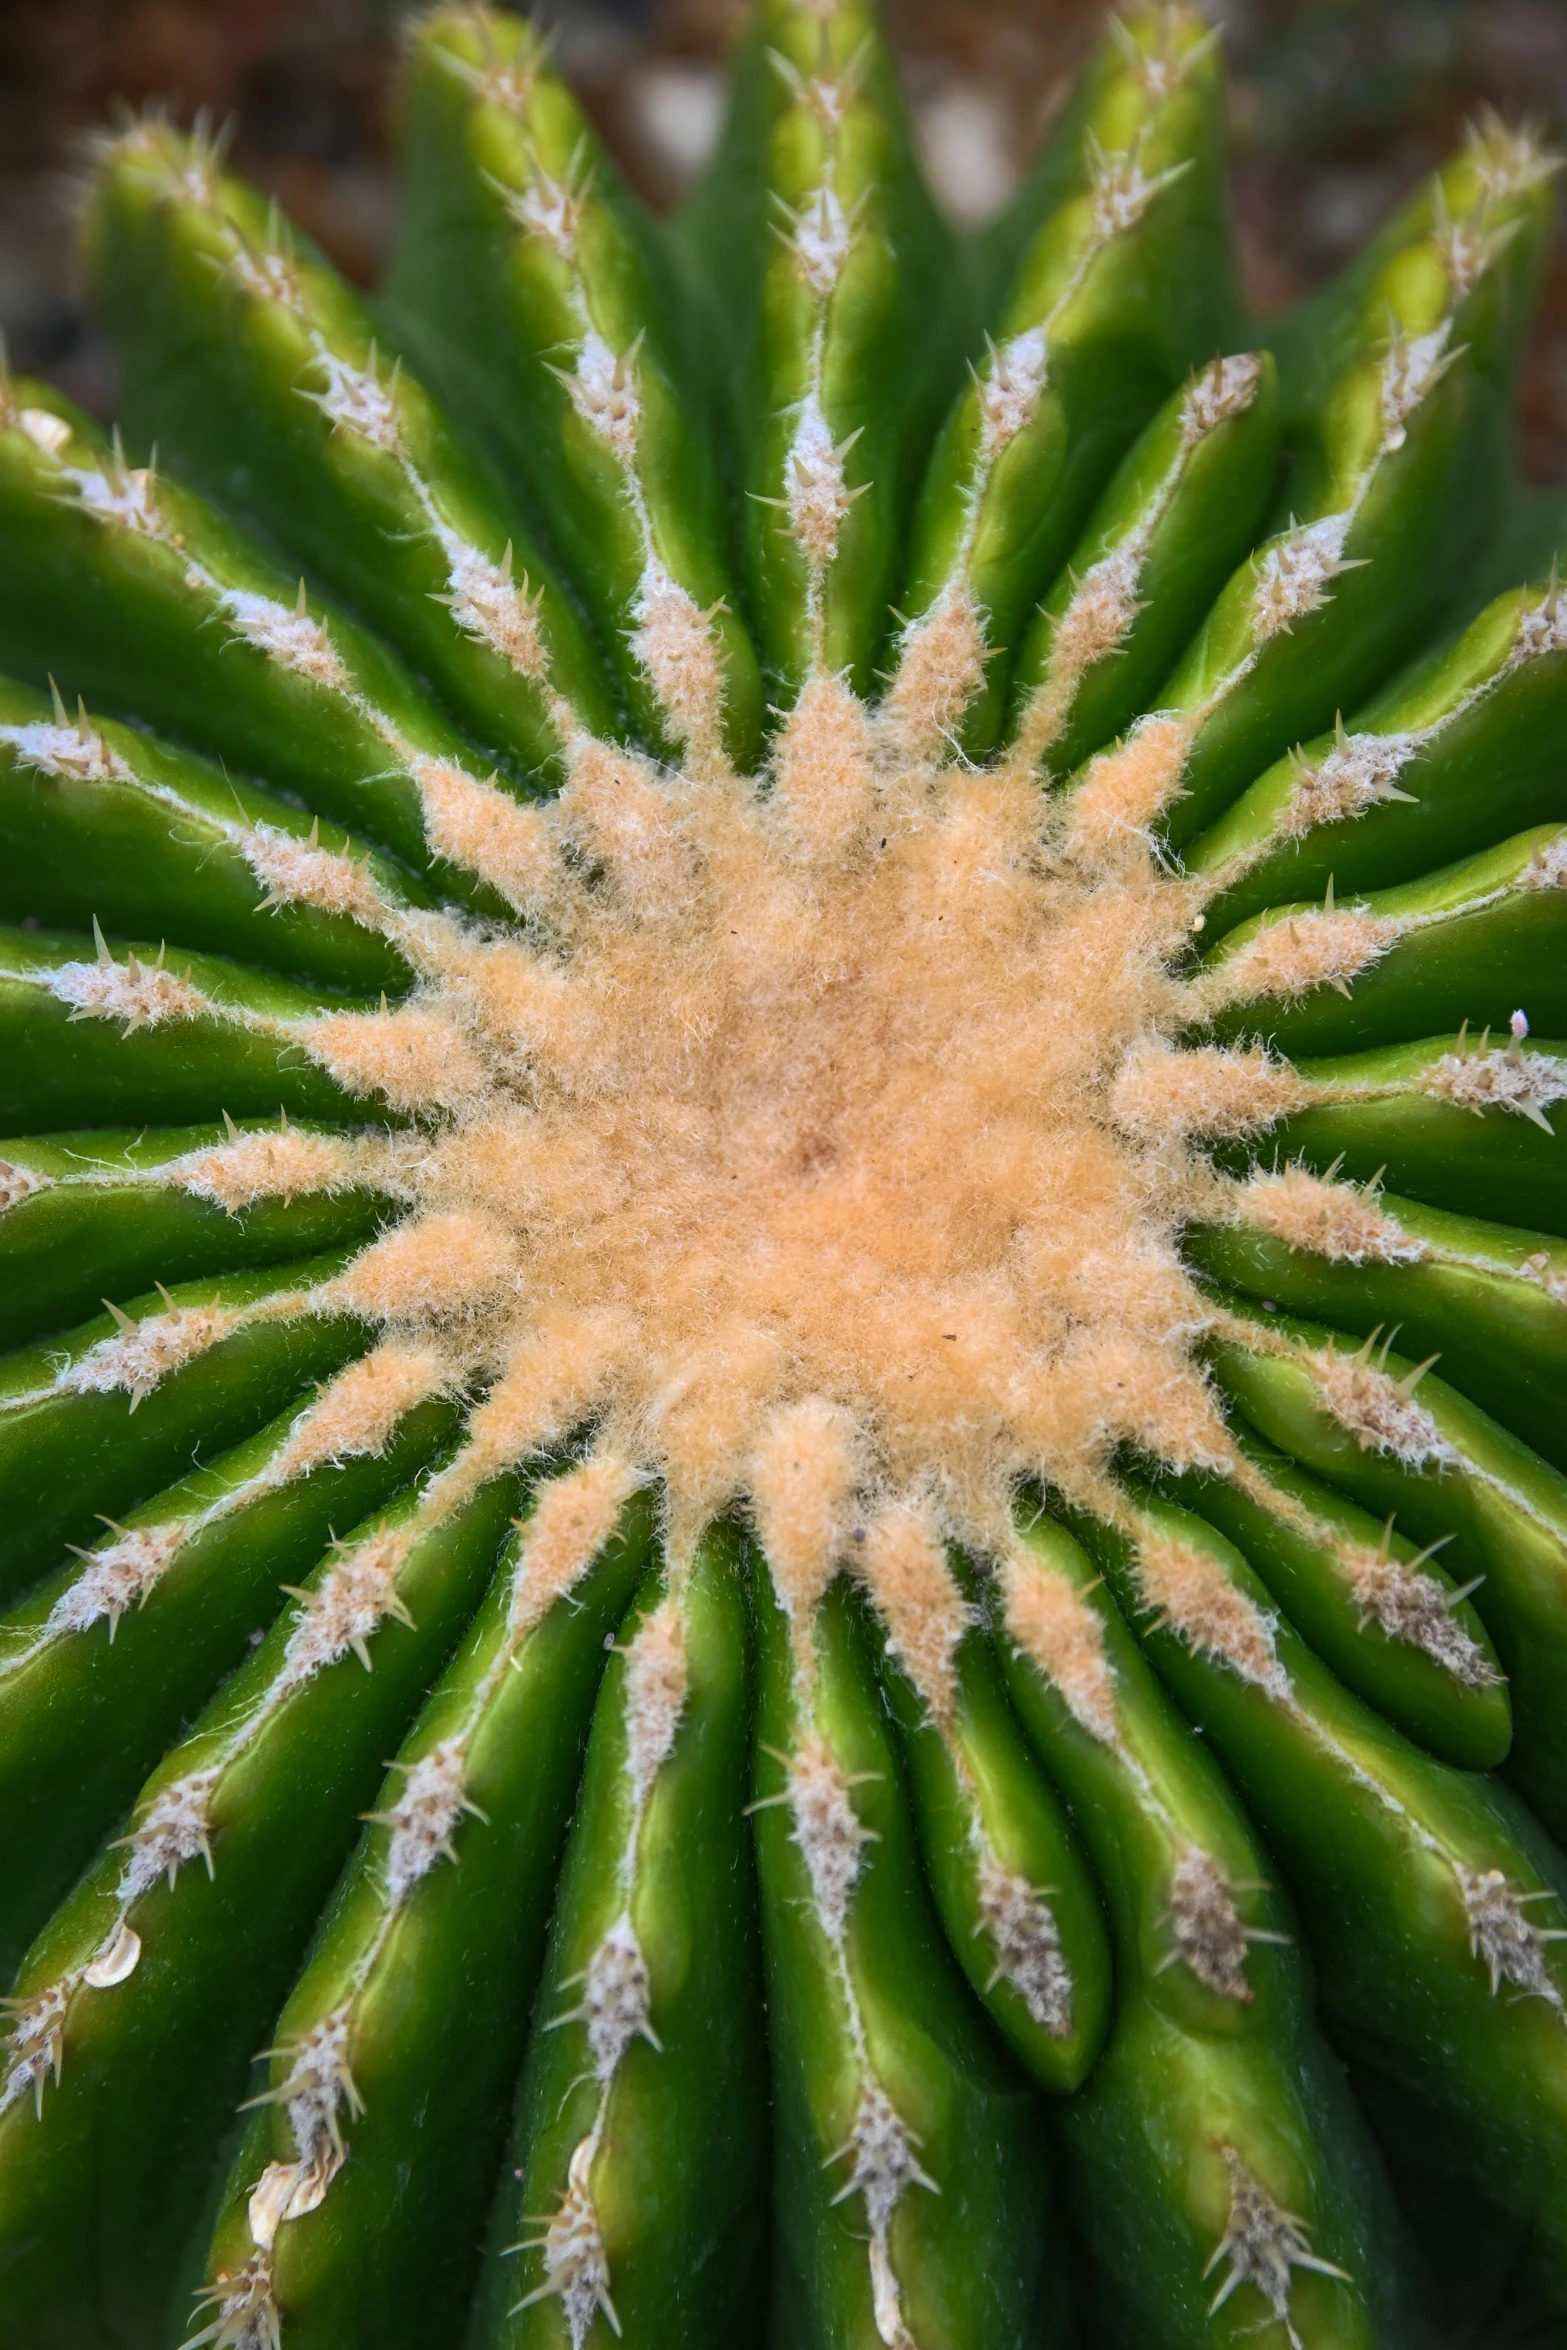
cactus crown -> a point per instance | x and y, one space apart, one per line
830 984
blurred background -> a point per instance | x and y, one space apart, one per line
1339 107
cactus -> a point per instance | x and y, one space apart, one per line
783 1478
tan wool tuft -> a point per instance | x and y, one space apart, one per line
1337 1220
1287 959
293 872
430 1268
1058 1631
1218 1091
941 670
1100 614
674 643
1126 789
417 1059
1192 1595
487 831
824 783
574 1518
656 1680
1378 1411
802 1480
523 1007
625 822
274 1164
549 1382
1049 708
357 1412
924 1613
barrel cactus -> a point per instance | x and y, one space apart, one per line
783 1478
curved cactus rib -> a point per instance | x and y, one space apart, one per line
1409 1841
1401 470
1008 1877
645 2062
1034 1076
834 320
887 2094
520 251
150 1986
1189 491
1094 330
1212 2030
1372 803
148 598
101 1211
324 2172
102 1661
283 405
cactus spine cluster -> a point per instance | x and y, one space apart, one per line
783 1478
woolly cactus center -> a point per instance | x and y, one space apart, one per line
816 1088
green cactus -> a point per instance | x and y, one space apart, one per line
783 1484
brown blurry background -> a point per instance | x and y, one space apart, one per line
1339 106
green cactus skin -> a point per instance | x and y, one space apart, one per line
783 1451
411 1957
642 2113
